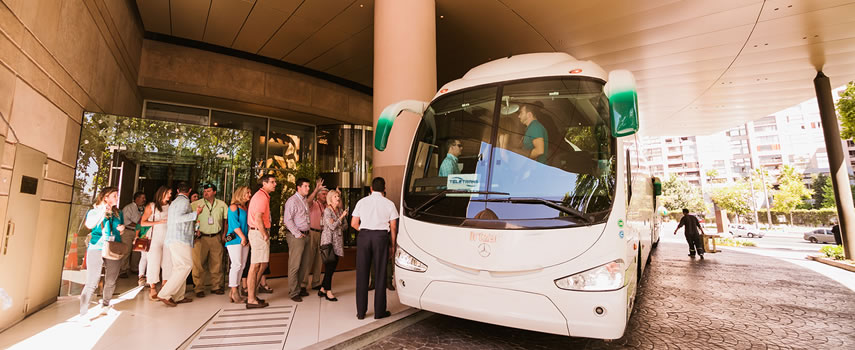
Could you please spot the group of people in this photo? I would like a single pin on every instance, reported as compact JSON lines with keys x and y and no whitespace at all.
{"x":190,"y":236}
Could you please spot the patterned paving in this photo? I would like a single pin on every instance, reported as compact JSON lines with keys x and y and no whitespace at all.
{"x":240,"y":328}
{"x":731,"y":300}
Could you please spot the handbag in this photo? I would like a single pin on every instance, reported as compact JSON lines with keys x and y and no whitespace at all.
{"x":113,"y":250}
{"x":327,"y":253}
{"x":141,"y":242}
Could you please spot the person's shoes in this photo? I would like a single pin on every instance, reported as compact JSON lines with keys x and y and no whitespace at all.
{"x":255,"y":306}
{"x":218,"y":292}
{"x":321,"y":294}
{"x":169,"y":302}
{"x":691,"y":255}
{"x":327,"y":296}
{"x":200,"y":294}
{"x":317,"y":287}
{"x":141,"y":281}
{"x":297,"y":298}
{"x":105,"y":309}
{"x":242,"y":292}
{"x":702,"y":256}
{"x":360,"y":317}
{"x":265,"y":289}
{"x":184,"y":301}
{"x":383,"y":314}
{"x":304,"y":293}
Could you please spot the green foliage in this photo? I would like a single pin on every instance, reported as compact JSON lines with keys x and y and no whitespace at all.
{"x":735,"y":197}
{"x":846,"y":111}
{"x":812,"y":217}
{"x":821,"y":183}
{"x":791,"y":190}
{"x":208,"y":149}
{"x":734,"y":242}
{"x":678,"y":194}
{"x":834,"y":252}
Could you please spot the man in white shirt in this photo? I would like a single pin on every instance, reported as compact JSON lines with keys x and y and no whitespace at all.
{"x":374,"y":217}
{"x":132,"y":214}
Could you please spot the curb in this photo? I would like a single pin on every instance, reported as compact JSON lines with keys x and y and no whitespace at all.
{"x":367,"y":334}
{"x":830,"y":262}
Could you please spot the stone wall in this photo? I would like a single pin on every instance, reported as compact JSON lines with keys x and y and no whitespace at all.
{"x":181,"y":69}
{"x":57,"y":60}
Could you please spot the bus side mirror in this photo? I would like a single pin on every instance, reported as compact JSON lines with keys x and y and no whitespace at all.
{"x":657,"y":187}
{"x":388,"y":116}
{"x":623,"y":102}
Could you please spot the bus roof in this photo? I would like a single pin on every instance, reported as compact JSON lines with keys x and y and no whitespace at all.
{"x":532,"y":65}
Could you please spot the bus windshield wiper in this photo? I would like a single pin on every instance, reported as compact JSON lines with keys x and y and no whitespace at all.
{"x":548,"y":203}
{"x":442,"y":195}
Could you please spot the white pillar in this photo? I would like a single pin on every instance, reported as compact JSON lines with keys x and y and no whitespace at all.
{"x":404,"y":69}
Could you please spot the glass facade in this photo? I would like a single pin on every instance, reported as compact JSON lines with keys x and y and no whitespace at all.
{"x":174,"y":143}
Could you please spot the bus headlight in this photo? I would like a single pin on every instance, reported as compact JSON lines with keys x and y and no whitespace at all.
{"x":407,"y":262}
{"x":606,"y":277}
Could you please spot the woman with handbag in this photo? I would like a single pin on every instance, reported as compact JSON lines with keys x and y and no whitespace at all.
{"x":237,"y":243}
{"x":158,"y":255}
{"x":105,"y":220}
{"x":332,"y":243}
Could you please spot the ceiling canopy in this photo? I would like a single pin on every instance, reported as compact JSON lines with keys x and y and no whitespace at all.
{"x":701,"y":66}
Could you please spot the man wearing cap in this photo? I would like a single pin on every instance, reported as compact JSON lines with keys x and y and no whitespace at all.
{"x":208,"y":249}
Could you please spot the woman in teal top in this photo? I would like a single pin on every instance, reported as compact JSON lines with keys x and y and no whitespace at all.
{"x":105,"y":220}
{"x":238,"y":247}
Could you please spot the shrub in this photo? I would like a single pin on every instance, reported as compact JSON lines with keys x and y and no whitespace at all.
{"x":732,"y":242}
{"x":834,"y":252}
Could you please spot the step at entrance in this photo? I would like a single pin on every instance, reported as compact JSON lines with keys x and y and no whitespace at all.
{"x":241,"y":328}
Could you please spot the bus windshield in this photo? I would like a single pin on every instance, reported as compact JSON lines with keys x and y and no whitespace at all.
{"x":526,"y":154}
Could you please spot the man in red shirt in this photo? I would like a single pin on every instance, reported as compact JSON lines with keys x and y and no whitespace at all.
{"x":258,"y":217}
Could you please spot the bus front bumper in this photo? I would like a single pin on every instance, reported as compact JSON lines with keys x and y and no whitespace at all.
{"x":541,"y":307}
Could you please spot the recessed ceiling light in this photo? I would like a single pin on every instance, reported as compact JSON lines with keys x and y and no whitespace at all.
{"x":441,"y":16}
{"x":361,"y":5}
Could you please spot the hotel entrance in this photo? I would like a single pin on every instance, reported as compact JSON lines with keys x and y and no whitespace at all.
{"x":171,"y":144}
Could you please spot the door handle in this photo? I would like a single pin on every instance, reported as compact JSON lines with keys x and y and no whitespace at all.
{"x":10,"y":230}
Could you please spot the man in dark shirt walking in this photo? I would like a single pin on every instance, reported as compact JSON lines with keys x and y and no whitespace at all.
{"x":691,"y":223}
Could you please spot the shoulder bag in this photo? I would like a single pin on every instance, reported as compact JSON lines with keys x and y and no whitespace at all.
{"x":327,"y":253}
{"x":112,"y":250}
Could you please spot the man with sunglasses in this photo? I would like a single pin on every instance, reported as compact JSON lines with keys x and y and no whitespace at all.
{"x":449,"y":164}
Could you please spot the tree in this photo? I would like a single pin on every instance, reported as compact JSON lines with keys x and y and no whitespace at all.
{"x":791,"y":191}
{"x":819,"y":191}
{"x":733,"y":197}
{"x":678,"y":194}
{"x":846,"y":111}
{"x":828,"y":200}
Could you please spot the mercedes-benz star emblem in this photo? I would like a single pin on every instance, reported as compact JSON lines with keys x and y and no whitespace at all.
{"x":484,"y":250}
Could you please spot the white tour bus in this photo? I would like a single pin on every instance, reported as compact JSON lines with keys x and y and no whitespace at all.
{"x":523,"y":201}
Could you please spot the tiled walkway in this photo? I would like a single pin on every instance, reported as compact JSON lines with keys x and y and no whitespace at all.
{"x":731,"y":300}
{"x":137,"y":323}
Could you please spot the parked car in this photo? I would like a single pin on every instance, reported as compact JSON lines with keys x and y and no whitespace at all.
{"x":739,"y":230}
{"x":822,"y":235}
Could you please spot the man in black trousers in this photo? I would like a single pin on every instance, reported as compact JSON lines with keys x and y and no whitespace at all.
{"x":692,"y":237}
{"x":374,"y":217}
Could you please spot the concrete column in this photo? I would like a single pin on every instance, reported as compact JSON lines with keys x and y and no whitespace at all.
{"x":839,"y":175}
{"x":404,"y":68}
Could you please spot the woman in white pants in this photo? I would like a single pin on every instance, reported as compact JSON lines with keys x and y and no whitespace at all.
{"x":238,"y":247}
{"x":158,"y":256}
